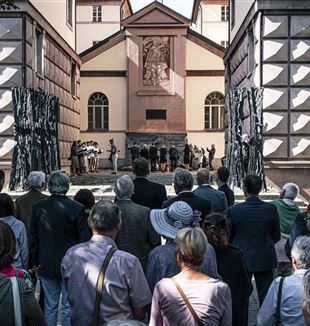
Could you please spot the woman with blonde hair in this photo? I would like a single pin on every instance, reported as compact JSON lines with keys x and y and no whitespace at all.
{"x":191,"y":297}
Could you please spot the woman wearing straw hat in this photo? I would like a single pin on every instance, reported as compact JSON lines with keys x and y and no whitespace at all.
{"x":168,"y":222}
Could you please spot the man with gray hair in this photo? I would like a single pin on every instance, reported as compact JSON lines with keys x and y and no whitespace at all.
{"x":217,"y":198}
{"x":291,"y":295}
{"x":137,"y":235}
{"x":24,"y":203}
{"x":183,"y":183}
{"x":288,"y":211}
{"x":124,"y":293}
{"x":57,"y":224}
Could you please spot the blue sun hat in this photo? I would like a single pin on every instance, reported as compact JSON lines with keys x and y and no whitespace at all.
{"x":169,"y":221}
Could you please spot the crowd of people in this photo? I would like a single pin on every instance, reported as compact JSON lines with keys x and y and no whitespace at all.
{"x":148,"y":259}
{"x":163,"y":159}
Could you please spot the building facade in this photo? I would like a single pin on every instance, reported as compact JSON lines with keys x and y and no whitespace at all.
{"x":155,"y":79}
{"x":38,"y":50}
{"x":213,"y":20}
{"x":97,"y":20}
{"x":270,"y":48}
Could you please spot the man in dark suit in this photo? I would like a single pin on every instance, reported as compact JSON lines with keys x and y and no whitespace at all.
{"x":147,"y":193}
{"x":134,"y":151}
{"x":205,"y":190}
{"x":137,"y":235}
{"x":57,"y":224}
{"x":24,"y":203}
{"x":222,"y":178}
{"x":153,"y":156}
{"x":255,"y":228}
{"x":183,"y":184}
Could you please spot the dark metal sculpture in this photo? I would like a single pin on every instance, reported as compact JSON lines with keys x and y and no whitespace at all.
{"x":36,"y":134}
{"x":234,"y":152}
{"x":234,"y":146}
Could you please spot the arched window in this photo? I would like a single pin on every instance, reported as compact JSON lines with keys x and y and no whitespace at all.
{"x":214,"y":111}
{"x":98,"y":112}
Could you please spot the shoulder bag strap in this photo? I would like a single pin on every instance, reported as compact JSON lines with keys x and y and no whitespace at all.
{"x":16,"y":300}
{"x":279,"y":299}
{"x":99,"y":286}
{"x":189,"y":306}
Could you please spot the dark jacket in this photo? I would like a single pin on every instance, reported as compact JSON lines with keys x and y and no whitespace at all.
{"x":299,"y":228}
{"x":153,"y":152}
{"x":216,"y":197}
{"x":232,"y":269}
{"x":137,"y":235}
{"x":211,"y":153}
{"x":195,"y":202}
{"x":135,"y":152}
{"x":255,"y":228}
{"x":30,"y":309}
{"x":144,"y":152}
{"x":24,"y":203}
{"x":148,"y":193}
{"x":230,"y":196}
{"x":57,"y":224}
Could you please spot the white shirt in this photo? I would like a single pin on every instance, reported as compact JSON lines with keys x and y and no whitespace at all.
{"x":292,"y":297}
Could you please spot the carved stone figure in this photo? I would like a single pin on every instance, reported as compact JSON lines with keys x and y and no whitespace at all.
{"x":156,"y":61}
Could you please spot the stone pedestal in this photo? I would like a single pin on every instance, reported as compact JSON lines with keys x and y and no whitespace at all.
{"x":169,"y":139}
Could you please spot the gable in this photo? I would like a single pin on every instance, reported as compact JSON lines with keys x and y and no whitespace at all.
{"x":156,"y":14}
{"x":113,"y":58}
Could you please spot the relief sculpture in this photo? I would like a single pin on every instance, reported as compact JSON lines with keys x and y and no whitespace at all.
{"x":156,"y":61}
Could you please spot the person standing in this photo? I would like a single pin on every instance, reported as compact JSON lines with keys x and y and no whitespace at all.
{"x":186,"y":158}
{"x":191,"y":297}
{"x":144,"y":152}
{"x":137,"y":235}
{"x":57,"y":224}
{"x":146,"y":193}
{"x":211,"y":156}
{"x":291,"y":291}
{"x":74,"y":159}
{"x":255,"y":228}
{"x":153,"y":157}
{"x":205,"y":191}
{"x":114,"y":155}
{"x":135,"y":152}
{"x":183,"y":182}
{"x":222,"y":179}
{"x":24,"y":203}
{"x":163,"y":158}
{"x":125,"y":293}
{"x":173,"y":157}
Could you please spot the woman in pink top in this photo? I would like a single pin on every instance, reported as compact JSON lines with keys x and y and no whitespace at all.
{"x":209,"y":300}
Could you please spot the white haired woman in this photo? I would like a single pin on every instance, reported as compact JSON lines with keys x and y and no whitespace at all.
{"x":191,"y":297}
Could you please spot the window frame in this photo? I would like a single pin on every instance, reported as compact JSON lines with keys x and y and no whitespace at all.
{"x":97,"y":13}
{"x":224,"y":13}
{"x":93,"y":109}
{"x":209,"y":108}
{"x":39,"y":52}
{"x":69,"y":13}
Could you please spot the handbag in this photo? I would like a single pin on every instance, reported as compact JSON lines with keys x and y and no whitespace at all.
{"x":16,"y":300}
{"x":189,"y":306}
{"x":99,"y":286}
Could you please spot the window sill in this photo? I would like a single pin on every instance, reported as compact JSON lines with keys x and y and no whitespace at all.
{"x":214,"y":130}
{"x":96,"y":130}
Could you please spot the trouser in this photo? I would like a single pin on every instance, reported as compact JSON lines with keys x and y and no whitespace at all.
{"x":210,"y":164}
{"x":114,"y":162}
{"x":86,"y":164}
{"x":173,"y":163}
{"x":153,"y":164}
{"x":262,"y":281}
{"x":52,"y":290}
